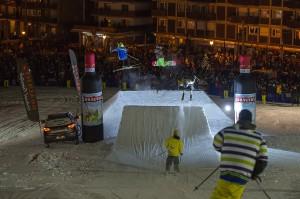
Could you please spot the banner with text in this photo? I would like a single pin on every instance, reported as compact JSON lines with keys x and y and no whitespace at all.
{"x":28,"y":91}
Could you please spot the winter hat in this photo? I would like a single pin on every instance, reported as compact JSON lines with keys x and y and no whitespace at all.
{"x":245,"y":115}
{"x":176,"y":132}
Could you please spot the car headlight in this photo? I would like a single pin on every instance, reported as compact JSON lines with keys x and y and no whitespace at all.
{"x":46,"y":130}
{"x":71,"y":126}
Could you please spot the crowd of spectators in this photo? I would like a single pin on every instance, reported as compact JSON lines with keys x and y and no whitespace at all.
{"x":277,"y":74}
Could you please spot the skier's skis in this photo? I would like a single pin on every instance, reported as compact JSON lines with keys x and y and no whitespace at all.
{"x":171,"y":173}
{"x":127,"y":68}
{"x":132,"y":57}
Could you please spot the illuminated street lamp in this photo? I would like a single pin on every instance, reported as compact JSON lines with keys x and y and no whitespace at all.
{"x":211,"y":43}
{"x":23,"y":33}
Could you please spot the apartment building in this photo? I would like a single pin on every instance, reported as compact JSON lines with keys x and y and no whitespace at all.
{"x":31,"y":18}
{"x":125,"y":20}
{"x":271,"y":24}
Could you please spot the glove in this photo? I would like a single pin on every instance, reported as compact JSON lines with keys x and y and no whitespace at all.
{"x":181,"y":154}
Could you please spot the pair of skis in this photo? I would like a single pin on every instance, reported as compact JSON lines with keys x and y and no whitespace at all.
{"x":129,"y":67}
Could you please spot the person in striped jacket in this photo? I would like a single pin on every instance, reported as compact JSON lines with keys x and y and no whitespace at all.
{"x":243,"y":157}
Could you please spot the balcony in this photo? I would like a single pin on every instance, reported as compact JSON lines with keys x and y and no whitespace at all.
{"x":264,"y":2}
{"x":263,"y":20}
{"x":171,"y":13}
{"x":276,"y":21}
{"x":181,"y":31}
{"x":297,"y":42}
{"x":203,"y":1}
{"x":200,"y":33}
{"x":162,"y":29}
{"x":117,"y":27}
{"x":120,"y":13}
{"x":252,"y":38}
{"x":291,"y":4}
{"x":210,"y":34}
{"x":276,"y":3}
{"x":40,"y":19}
{"x":263,"y":39}
{"x":244,"y":19}
{"x":191,"y":33}
{"x":121,"y":1}
{"x":159,"y":12}
{"x":244,"y":2}
{"x":292,"y":23}
{"x":180,"y":14}
{"x":8,"y":16}
{"x":38,"y":5}
{"x":275,"y":40}
{"x":201,"y":16}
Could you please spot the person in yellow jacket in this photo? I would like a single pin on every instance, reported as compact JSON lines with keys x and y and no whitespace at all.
{"x":175,"y":148}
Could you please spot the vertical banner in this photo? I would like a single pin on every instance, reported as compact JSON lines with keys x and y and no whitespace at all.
{"x":28,"y":91}
{"x":75,"y":70}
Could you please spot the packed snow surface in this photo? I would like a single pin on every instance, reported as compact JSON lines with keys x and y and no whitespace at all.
{"x":86,"y":171}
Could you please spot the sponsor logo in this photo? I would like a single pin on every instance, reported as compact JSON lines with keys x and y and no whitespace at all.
{"x":245,"y":99}
{"x":92,"y":98}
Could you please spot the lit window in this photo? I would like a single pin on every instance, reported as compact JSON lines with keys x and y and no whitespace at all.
{"x":253,"y":30}
{"x":276,"y":33}
{"x":297,"y":35}
{"x":181,"y":24}
{"x":264,"y":31}
{"x":276,"y":14}
{"x":264,"y":13}
{"x":240,"y":28}
{"x":253,"y":12}
{"x":162,"y":22}
{"x":191,"y":25}
{"x":211,"y":26}
{"x":201,"y":25}
{"x":243,"y":11}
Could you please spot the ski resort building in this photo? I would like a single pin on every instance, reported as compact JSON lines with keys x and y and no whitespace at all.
{"x":272,"y":24}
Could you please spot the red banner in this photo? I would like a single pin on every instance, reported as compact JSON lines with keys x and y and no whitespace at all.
{"x":75,"y":70}
{"x":28,"y":92}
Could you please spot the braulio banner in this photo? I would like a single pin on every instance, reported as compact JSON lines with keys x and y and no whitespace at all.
{"x":75,"y":70}
{"x":28,"y":91}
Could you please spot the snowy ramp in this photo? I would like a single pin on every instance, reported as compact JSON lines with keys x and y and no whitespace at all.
{"x":147,"y":120}
{"x":113,"y":108}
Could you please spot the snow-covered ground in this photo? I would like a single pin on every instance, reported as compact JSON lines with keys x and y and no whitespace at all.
{"x":29,"y":170}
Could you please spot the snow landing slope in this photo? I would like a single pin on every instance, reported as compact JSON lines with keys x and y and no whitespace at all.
{"x":144,"y":119}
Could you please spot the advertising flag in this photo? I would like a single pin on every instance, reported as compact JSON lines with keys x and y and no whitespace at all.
{"x":28,"y":91}
{"x":75,"y":70}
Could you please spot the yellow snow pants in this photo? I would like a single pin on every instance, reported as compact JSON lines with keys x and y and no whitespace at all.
{"x":227,"y":190}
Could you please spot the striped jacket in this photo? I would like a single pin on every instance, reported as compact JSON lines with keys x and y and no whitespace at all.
{"x":240,"y":147}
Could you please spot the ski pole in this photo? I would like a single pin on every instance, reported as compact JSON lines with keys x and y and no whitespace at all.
{"x":197,"y":187}
{"x":161,"y":153}
{"x":262,"y":189}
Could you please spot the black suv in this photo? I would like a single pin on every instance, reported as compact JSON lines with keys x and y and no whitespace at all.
{"x":61,"y":127}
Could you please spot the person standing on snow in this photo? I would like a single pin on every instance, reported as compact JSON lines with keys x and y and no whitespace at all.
{"x":175,"y":148}
{"x":243,"y":157}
